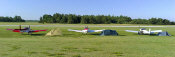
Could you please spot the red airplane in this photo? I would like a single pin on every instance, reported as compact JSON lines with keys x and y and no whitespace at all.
{"x":26,"y":29}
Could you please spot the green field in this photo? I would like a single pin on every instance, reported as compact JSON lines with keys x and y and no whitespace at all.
{"x":72,"y":44}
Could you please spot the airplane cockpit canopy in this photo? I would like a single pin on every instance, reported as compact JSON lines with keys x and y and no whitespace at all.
{"x":26,"y":28}
{"x":143,"y":29}
{"x":86,"y":28}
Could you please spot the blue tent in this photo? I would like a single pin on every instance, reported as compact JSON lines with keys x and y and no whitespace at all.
{"x":109,"y":33}
{"x":163,"y":34}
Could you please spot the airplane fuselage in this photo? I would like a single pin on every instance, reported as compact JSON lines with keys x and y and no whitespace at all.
{"x":85,"y":31}
{"x":22,"y":30}
{"x":145,"y":32}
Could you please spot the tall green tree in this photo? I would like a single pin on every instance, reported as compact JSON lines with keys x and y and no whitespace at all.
{"x":123,"y":19}
{"x":18,"y":19}
{"x":70,"y":19}
{"x":93,"y":19}
{"x":84,"y":20}
{"x":63,"y":20}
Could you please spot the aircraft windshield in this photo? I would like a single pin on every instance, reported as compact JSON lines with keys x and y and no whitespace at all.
{"x":26,"y":28}
{"x":143,"y":29}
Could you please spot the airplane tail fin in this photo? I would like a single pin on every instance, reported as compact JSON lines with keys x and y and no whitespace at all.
{"x":20,"y":27}
{"x":69,"y":29}
{"x":29,"y":26}
{"x":149,"y":30}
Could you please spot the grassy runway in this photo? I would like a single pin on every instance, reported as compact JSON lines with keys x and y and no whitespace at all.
{"x":73,"y":44}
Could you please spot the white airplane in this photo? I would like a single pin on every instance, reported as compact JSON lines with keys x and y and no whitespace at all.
{"x":85,"y":31}
{"x":144,"y":31}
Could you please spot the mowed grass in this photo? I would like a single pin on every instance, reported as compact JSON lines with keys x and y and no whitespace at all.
{"x":72,"y":44}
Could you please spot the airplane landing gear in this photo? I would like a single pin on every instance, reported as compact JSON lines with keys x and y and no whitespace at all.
{"x":29,"y":33}
{"x":140,"y":33}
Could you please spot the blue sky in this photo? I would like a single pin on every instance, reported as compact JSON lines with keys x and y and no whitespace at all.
{"x":33,"y":9}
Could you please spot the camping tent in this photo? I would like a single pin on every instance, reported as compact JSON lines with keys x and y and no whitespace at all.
{"x":109,"y":32}
{"x":163,"y":34}
{"x":54,"y":32}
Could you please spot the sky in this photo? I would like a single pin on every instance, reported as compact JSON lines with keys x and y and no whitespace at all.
{"x":34,"y":9}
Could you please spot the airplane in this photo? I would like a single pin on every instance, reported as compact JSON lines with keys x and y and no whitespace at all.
{"x":86,"y":30}
{"x":143,"y":31}
{"x":26,"y":29}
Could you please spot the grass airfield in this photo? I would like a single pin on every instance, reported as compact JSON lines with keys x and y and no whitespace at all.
{"x":72,"y":44}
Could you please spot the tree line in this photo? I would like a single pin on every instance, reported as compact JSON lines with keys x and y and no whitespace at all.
{"x":11,"y":19}
{"x":100,"y":19}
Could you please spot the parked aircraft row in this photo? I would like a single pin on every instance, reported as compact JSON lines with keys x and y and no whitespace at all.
{"x":142,"y":31}
{"x":86,"y":30}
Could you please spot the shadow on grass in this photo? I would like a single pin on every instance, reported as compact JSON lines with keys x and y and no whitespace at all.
{"x":30,"y":53}
{"x":121,"y":35}
{"x":91,"y":49}
{"x":35,"y":34}
{"x":54,"y":54}
{"x":153,"y":35}
{"x":13,"y":48}
{"x":76,"y":55}
{"x":147,"y":34}
{"x":94,"y":34}
{"x":4,"y":54}
{"x":107,"y":35}
{"x":67,"y":34}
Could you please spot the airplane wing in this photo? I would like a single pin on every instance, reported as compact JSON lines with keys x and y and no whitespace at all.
{"x":14,"y":30}
{"x":98,"y":30}
{"x":10,"y":29}
{"x":37,"y":30}
{"x":75,"y":30}
{"x":131,"y":31}
{"x":156,"y":31}
{"x":95,"y":30}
